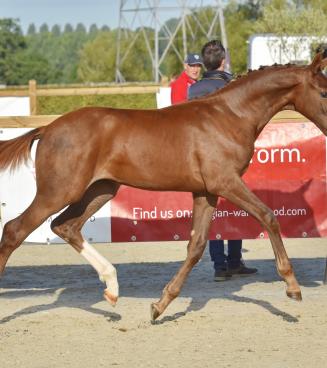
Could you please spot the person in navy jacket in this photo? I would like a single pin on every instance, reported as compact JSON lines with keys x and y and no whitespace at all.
{"x":215,"y":77}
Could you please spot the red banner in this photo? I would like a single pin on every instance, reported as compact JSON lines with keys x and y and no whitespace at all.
{"x":287,"y":172}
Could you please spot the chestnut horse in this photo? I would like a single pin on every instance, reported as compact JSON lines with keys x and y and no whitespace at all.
{"x":203,"y":146}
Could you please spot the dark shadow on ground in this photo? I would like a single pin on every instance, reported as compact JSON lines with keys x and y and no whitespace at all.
{"x":139,"y":280}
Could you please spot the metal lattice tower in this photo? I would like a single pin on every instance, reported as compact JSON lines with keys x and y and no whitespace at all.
{"x":140,"y":15}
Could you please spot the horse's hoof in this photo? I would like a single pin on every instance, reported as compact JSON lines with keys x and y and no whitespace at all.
{"x":154,"y":312}
{"x":295,"y":295}
{"x":112,"y":299}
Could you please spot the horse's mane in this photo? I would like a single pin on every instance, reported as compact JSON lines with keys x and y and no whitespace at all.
{"x":239,"y":79}
{"x":266,"y":67}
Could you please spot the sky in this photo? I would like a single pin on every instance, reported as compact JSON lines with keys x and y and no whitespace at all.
{"x":99,"y":12}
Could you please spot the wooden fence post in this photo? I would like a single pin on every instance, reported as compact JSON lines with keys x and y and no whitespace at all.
{"x":32,"y":96}
{"x":164,"y":81}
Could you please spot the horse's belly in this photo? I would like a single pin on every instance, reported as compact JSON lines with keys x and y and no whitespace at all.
{"x":165,"y":184}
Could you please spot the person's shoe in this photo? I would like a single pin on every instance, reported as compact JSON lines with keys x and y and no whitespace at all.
{"x":242,"y":270}
{"x":222,"y":275}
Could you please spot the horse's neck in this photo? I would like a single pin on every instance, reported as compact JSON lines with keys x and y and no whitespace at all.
{"x":260,"y":96}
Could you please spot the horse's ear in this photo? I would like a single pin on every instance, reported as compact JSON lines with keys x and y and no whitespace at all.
{"x":319,"y":62}
{"x":324,"y":61}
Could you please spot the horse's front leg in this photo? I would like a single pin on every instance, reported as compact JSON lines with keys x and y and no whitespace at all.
{"x":238,"y":193}
{"x":203,"y":208}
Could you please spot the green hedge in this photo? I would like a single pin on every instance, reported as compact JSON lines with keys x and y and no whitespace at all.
{"x":58,"y":105}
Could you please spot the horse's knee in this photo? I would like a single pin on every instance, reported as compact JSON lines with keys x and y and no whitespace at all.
{"x":11,"y":238}
{"x":10,"y":233}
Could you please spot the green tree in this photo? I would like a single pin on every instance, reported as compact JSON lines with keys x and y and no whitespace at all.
{"x":25,"y":65}
{"x":11,"y":42}
{"x":98,"y":58}
{"x":240,"y":19}
{"x":105,"y":28}
{"x":31,"y":29}
{"x":137,"y":65}
{"x":316,"y":4}
{"x":93,"y":29}
{"x":283,"y":17}
{"x":61,"y":51}
{"x":68,"y":28}
{"x":80,"y":28}
{"x":55,"y":30}
{"x":294,"y":18}
{"x":44,"y":28}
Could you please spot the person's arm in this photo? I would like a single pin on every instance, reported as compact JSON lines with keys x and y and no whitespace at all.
{"x":191,"y":92}
{"x":178,"y":92}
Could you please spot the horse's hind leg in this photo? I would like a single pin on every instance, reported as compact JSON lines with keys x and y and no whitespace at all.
{"x":17,"y":230}
{"x":240,"y":195}
{"x":203,"y":208}
{"x":68,"y":226}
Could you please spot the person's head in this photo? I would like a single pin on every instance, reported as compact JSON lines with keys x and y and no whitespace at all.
{"x":192,"y":65}
{"x":213,"y":55}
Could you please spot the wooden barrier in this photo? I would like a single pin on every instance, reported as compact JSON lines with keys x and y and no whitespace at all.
{"x":40,"y":120}
{"x":33,"y":92}
{"x":26,"y":121}
{"x":71,"y":91}
{"x":32,"y":95}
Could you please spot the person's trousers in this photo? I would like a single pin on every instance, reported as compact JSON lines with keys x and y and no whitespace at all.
{"x":221,"y":260}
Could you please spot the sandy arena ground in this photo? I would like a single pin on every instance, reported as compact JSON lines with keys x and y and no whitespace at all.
{"x":52,"y":313}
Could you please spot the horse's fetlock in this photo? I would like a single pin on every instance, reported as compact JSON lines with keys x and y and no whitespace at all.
{"x":285,"y":270}
{"x":108,"y":274}
{"x":172,"y":292}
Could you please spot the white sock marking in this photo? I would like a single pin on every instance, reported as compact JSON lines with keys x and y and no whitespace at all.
{"x":107,"y":272}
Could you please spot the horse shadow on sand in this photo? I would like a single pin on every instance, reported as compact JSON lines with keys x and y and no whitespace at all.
{"x":63,"y":285}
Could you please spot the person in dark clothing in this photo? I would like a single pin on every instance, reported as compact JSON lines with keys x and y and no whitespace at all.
{"x":211,"y":80}
{"x":214,"y":56}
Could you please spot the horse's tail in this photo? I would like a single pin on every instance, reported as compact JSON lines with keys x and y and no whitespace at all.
{"x":14,"y":152}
